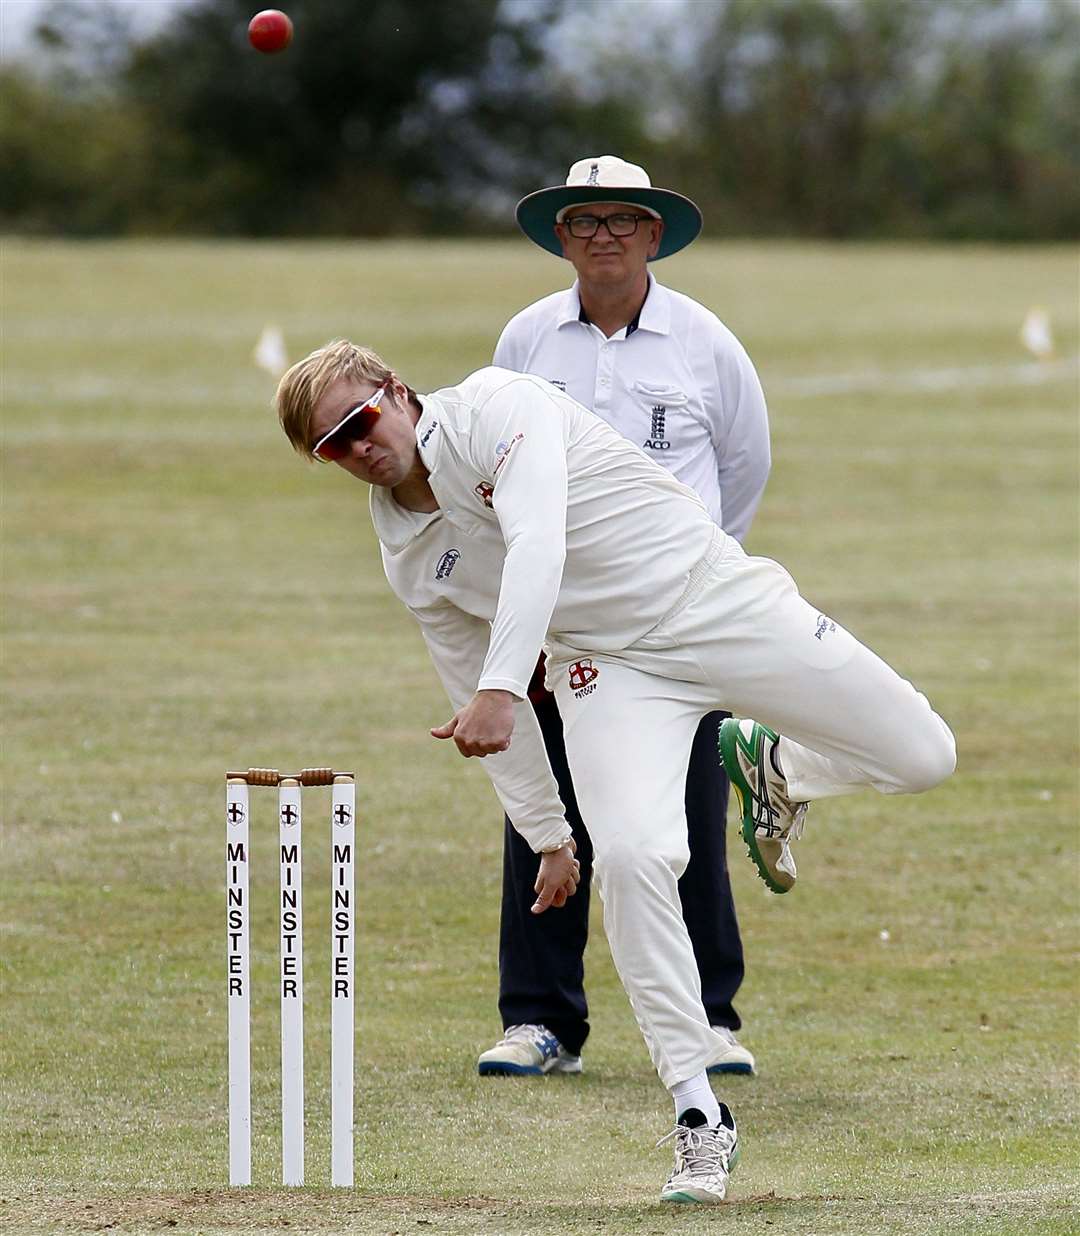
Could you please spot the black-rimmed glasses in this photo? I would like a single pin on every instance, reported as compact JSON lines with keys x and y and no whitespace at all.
{"x":584,"y":227}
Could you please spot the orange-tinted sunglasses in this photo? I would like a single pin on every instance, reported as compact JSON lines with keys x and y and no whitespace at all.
{"x":354,"y":426}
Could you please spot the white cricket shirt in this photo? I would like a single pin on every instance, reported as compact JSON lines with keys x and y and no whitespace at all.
{"x":551,"y":528}
{"x":677,"y":383}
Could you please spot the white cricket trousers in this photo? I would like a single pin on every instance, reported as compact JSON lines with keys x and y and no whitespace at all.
{"x":742,"y":639}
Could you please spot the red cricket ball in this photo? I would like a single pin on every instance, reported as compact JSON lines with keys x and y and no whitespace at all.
{"x":270,"y":31}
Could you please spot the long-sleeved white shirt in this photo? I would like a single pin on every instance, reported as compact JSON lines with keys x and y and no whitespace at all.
{"x":678,"y":384}
{"x":551,"y":528}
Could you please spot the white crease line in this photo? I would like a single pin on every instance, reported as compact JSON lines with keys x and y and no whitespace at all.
{"x":1034,"y":373}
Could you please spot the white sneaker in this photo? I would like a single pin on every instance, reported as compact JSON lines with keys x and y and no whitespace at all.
{"x":704,"y":1158}
{"x":771,"y":819}
{"x":529,"y":1050}
{"x":736,"y":1058}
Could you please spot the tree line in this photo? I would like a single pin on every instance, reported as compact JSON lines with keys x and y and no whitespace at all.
{"x":831,"y":118}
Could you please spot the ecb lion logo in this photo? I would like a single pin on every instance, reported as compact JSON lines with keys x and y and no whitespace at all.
{"x":583,"y":676}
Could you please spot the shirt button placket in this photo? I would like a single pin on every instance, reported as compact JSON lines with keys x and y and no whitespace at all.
{"x":605,"y":367}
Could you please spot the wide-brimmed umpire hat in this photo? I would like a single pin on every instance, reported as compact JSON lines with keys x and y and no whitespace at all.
{"x":607,"y":178}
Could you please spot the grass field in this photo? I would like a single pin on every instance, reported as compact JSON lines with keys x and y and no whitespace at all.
{"x":183,"y":595}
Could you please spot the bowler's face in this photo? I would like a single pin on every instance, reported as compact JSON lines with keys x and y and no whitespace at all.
{"x":603,"y":258}
{"x":387,"y":452}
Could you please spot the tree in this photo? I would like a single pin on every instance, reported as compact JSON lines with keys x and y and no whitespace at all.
{"x":381,"y":119}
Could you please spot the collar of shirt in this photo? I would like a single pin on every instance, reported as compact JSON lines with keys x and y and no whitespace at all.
{"x":428,"y":436}
{"x":654,"y":315}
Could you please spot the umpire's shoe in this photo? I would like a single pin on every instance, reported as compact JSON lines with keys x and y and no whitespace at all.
{"x":529,"y":1050}
{"x":770,"y":820}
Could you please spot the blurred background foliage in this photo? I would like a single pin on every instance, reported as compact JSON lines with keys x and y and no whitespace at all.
{"x":829,"y":118}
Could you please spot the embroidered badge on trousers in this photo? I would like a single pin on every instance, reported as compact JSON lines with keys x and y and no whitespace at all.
{"x":583,"y":676}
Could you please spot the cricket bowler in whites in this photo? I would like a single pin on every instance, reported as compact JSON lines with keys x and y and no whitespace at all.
{"x":511,"y":518}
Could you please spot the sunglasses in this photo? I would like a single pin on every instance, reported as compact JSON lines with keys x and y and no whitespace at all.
{"x":354,"y":426}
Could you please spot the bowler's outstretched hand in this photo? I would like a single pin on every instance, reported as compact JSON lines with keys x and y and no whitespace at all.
{"x":557,"y":878}
{"x":483,"y":726}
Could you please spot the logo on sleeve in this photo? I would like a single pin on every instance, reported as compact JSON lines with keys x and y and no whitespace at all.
{"x":428,"y":432}
{"x":503,"y":449}
{"x":484,"y":492}
{"x":583,"y":676}
{"x":447,"y":563}
{"x":825,"y":626}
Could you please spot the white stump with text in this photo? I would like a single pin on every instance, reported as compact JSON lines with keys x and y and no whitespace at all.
{"x":342,"y":978}
{"x":292,"y":982}
{"x":238,"y":963}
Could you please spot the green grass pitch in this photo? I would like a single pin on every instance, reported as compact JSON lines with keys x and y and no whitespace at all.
{"x":184,"y":595}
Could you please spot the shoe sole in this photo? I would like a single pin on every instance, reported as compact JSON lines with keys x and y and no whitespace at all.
{"x":746,"y":1070}
{"x":728,"y":743}
{"x":496,"y":1069}
{"x":509,"y":1070}
{"x":681,"y":1196}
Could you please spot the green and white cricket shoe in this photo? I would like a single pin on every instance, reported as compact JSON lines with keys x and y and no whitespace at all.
{"x":771,"y":821}
{"x":530,"y":1050}
{"x":704,"y":1158}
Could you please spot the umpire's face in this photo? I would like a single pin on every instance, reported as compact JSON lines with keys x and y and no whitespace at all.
{"x":379,"y":449}
{"x":609,"y":255}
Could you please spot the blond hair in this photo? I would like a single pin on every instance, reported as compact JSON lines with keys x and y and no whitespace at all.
{"x":308,"y":380}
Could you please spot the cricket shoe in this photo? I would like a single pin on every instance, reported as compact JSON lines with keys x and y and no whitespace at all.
{"x":771,"y":821}
{"x":736,"y":1058}
{"x":704,"y":1158}
{"x":530,"y":1050}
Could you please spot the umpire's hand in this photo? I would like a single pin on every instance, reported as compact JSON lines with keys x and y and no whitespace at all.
{"x":558,"y":877}
{"x":483,"y":726}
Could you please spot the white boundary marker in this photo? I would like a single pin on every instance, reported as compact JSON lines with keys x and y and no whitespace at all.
{"x":342,"y":978}
{"x":292,"y":982}
{"x":238,"y":953}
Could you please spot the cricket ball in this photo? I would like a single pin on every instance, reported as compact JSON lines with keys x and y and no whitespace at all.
{"x":270,"y":31}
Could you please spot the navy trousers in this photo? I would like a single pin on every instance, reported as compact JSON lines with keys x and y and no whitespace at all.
{"x":541,"y":972}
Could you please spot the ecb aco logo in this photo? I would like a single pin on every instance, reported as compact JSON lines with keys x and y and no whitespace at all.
{"x":656,"y":440}
{"x":447,"y":563}
{"x":583,"y":676}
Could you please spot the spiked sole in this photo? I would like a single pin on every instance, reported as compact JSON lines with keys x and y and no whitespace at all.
{"x":727,"y":742}
{"x":687,"y":1195}
{"x":702,"y":1197}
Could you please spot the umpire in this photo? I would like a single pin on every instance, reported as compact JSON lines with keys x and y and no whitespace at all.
{"x":669,"y":376}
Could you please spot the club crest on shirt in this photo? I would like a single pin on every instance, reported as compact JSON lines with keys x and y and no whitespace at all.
{"x":447,"y":563}
{"x":484,"y":492}
{"x":583,"y":676}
